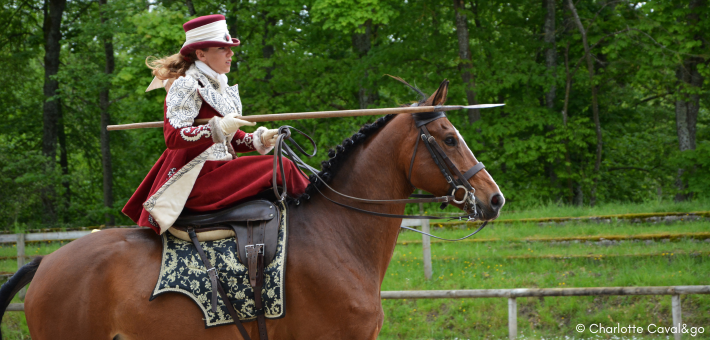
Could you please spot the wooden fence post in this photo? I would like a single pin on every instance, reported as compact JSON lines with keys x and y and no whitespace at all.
{"x":677,"y":320}
{"x":21,"y":261}
{"x":512,"y":318}
{"x":426,"y":249}
{"x":426,"y":244}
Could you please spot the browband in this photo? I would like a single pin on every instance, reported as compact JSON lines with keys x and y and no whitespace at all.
{"x":424,"y":118}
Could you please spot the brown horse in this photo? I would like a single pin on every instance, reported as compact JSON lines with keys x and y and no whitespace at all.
{"x":98,"y":286}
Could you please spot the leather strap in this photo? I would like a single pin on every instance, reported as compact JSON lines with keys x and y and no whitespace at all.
{"x":424,"y":118}
{"x":411,"y":217}
{"x":217,"y":287}
{"x":279,"y":165}
{"x":421,"y":199}
{"x":440,"y":153}
{"x":211,"y":271}
{"x":255,"y":266}
{"x":473,"y":171}
{"x":411,"y":163}
{"x":435,"y":157}
{"x":232,"y":312}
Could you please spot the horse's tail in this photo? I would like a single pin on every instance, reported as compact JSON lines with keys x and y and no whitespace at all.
{"x":17,"y":282}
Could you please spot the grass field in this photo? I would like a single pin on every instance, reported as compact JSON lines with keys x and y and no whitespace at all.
{"x":486,"y":265}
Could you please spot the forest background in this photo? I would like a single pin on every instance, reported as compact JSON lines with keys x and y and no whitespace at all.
{"x":606,"y":101}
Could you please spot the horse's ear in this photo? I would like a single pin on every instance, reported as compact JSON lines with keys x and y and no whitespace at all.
{"x":439,"y":97}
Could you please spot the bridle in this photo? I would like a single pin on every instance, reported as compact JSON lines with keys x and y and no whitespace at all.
{"x":448,"y":169}
{"x":453,"y":176}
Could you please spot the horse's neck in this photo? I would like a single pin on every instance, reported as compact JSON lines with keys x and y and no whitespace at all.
{"x":369,"y":172}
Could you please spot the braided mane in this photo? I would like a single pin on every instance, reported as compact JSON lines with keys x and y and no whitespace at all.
{"x":340,"y":154}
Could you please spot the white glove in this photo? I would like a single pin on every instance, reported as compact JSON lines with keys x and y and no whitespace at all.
{"x":230,"y":123}
{"x":269,"y":137}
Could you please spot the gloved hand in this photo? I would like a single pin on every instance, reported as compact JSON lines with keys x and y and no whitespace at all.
{"x":230,"y":123}
{"x":269,"y":137}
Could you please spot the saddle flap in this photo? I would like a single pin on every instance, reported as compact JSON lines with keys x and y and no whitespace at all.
{"x":271,"y":236}
{"x":257,"y":210}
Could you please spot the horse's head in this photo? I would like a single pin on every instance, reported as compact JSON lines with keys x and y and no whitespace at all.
{"x":427,"y":175}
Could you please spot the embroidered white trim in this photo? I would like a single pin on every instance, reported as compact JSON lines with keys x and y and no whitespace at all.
{"x":192,"y":134}
{"x":248,"y":140}
{"x":218,"y":102}
{"x":220,"y":153}
{"x":166,"y":204}
{"x":221,"y":79}
{"x":183,"y":102}
{"x":233,"y":93}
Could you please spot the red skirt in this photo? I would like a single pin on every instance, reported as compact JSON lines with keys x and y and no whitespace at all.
{"x":221,"y":184}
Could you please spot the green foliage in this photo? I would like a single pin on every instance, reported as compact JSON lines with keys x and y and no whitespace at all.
{"x":349,"y":16}
{"x":300,"y":56}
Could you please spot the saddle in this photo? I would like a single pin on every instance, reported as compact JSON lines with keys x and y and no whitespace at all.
{"x":260,"y":216}
{"x":255,"y":226}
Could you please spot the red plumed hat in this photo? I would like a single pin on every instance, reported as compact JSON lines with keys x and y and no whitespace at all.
{"x":206,"y":31}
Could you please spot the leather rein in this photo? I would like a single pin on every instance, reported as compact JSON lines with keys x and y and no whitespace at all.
{"x":456,"y":179}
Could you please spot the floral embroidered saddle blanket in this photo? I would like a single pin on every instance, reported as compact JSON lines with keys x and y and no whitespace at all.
{"x":182,"y":271}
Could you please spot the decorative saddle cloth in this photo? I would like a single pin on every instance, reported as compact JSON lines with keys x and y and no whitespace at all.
{"x":182,"y":271}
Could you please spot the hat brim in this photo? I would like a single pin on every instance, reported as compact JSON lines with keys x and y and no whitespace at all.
{"x":186,"y":50}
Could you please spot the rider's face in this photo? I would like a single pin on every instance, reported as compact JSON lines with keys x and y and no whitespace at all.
{"x":217,"y":58}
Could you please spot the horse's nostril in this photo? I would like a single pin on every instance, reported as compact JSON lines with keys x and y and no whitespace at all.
{"x":497,"y":201}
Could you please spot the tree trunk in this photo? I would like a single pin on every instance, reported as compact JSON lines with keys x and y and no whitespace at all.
{"x":64,"y":162}
{"x":362,"y":43}
{"x":53,"y":10}
{"x":687,"y":105}
{"x":595,"y":102}
{"x":190,"y":8}
{"x":466,"y":63}
{"x":550,"y":52}
{"x":565,"y":117}
{"x":267,"y":49}
{"x":551,"y":65}
{"x":104,"y":104}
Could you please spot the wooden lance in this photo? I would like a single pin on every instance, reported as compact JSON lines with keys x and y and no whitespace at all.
{"x":317,"y":114}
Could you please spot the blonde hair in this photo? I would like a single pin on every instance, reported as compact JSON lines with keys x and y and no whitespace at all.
{"x":171,"y":66}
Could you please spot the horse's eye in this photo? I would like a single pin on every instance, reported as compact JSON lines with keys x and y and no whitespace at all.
{"x":450,"y":141}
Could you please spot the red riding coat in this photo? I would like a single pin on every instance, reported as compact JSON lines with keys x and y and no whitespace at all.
{"x":199,"y":169}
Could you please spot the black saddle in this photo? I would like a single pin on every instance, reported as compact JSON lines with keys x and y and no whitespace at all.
{"x":260,"y":217}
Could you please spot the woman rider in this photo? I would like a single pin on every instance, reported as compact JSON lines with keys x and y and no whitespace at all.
{"x":200,"y":171}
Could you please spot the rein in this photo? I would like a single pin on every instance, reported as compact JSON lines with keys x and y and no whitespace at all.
{"x":451,"y":173}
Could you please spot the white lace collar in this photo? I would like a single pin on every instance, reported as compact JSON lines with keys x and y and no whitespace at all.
{"x":221,"y":79}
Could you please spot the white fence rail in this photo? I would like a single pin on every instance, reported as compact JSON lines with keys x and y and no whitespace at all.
{"x":56,"y":236}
